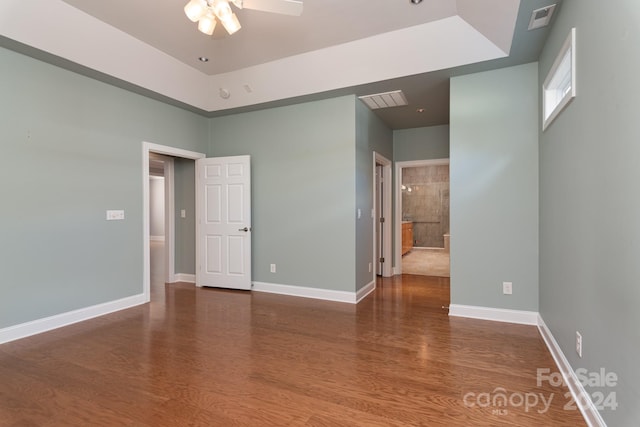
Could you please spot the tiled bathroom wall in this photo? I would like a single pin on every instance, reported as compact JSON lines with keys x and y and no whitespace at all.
{"x":425,"y":201}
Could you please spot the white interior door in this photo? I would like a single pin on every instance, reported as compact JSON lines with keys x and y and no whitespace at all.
{"x":223,"y":222}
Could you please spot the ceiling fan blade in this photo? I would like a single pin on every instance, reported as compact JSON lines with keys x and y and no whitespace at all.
{"x":285,"y":7}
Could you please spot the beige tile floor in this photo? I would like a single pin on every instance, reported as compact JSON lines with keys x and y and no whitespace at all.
{"x":426,"y":262}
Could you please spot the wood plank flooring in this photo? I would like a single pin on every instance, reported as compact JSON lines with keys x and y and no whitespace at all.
{"x":206,"y":357}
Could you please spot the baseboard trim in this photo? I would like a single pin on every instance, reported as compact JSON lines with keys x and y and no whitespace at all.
{"x":184,"y":277}
{"x":302,"y":291}
{"x":156,"y":238}
{"x":579,"y":394}
{"x":495,"y":314}
{"x":45,"y":324}
{"x":365,"y":290}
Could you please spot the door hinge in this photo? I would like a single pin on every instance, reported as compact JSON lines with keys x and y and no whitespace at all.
{"x":382,"y":219}
{"x":381,"y":259}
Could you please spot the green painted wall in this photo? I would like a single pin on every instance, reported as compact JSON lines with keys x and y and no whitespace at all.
{"x":303,"y":189}
{"x":185,"y":228}
{"x":494,"y":188}
{"x":371,"y":135}
{"x":72,"y":149}
{"x":421,"y":143}
{"x":589,"y":204}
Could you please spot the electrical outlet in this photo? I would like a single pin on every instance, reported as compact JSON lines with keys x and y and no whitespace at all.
{"x":370,"y":267}
{"x":578,"y":343}
{"x":507,"y":288}
{"x":273,"y":268}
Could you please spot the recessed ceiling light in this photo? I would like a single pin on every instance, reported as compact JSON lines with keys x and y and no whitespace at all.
{"x":203,"y":59}
{"x":415,"y":1}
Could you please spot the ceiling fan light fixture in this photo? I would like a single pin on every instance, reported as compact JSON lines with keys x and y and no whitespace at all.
{"x":207,"y":24}
{"x":195,"y":9}
{"x":222,"y":10}
{"x":206,"y":12}
{"x":231,"y":23}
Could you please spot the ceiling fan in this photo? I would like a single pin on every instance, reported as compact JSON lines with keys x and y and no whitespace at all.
{"x":205,"y":12}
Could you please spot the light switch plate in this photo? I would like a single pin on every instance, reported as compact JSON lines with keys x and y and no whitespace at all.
{"x":115,"y":215}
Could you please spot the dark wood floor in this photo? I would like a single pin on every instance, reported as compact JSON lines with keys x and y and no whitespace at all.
{"x":205,"y":357}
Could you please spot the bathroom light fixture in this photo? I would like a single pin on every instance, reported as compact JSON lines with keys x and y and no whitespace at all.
{"x":208,"y":12}
{"x":416,"y":1}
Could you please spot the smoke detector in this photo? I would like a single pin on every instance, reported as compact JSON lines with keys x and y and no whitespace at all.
{"x":541,"y":17}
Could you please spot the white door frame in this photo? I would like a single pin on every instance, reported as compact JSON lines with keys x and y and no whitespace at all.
{"x":387,"y":270}
{"x":398,"y":202}
{"x":148,"y":147}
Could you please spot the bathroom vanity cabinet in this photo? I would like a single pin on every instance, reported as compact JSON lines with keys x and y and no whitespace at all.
{"x":407,"y":236}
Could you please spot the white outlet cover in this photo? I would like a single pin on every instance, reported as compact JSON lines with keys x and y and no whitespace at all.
{"x":507,"y":288}
{"x":578,"y":343}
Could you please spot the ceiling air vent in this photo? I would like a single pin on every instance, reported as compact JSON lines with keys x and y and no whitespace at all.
{"x":541,"y":17}
{"x":395,"y":98}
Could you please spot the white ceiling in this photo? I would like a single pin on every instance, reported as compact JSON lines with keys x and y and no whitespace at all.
{"x":264,"y":36}
{"x":334,"y":47}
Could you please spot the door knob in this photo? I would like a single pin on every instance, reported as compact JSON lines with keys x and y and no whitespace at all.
{"x":243,"y":229}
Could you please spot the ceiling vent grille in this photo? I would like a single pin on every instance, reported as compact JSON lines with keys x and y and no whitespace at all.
{"x":394,"y":98}
{"x":541,"y":17}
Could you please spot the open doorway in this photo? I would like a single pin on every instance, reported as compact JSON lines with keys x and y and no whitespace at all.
{"x":167,"y":253}
{"x":422,"y":209}
{"x":161,"y":226}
